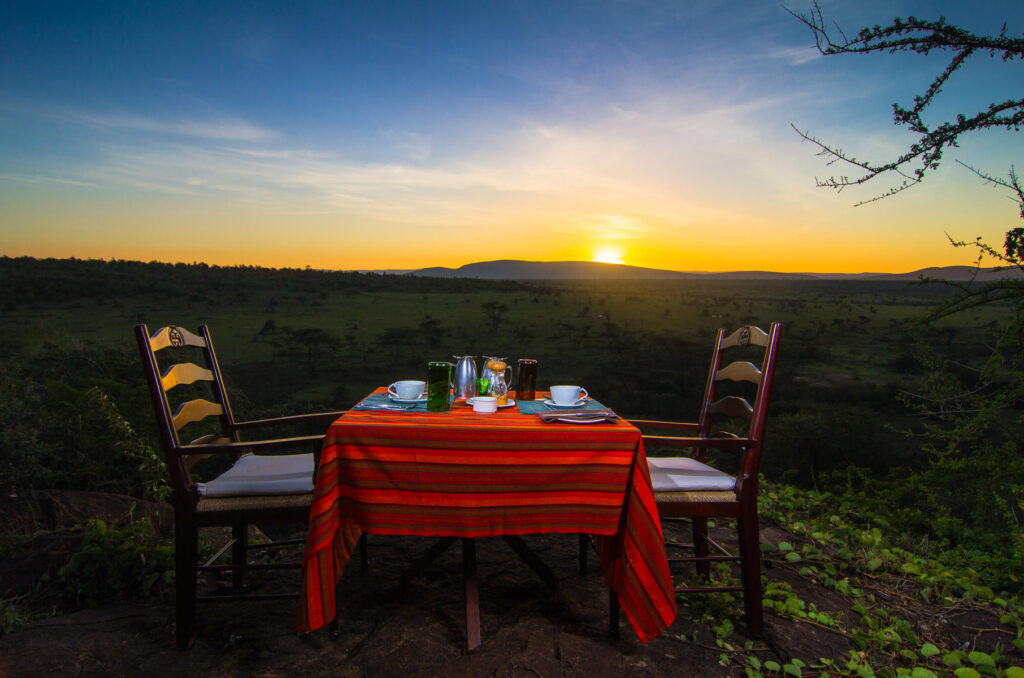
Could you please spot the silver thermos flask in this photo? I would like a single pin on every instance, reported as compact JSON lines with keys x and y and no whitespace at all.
{"x":464,"y":379}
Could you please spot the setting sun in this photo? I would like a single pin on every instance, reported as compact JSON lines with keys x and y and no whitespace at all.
{"x":608,"y":255}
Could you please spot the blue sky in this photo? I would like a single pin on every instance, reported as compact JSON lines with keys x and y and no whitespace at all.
{"x":408,"y":134}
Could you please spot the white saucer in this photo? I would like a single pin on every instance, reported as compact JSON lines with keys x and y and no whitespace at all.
{"x":578,"y":403}
{"x":510,"y":402}
{"x":402,"y":401}
{"x":581,"y":420}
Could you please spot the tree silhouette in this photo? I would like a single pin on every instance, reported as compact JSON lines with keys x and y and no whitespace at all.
{"x":430,"y":330}
{"x":313,"y":340}
{"x":495,"y":312}
{"x":921,"y":37}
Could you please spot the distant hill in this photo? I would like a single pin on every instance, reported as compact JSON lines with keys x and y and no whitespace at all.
{"x":515,"y":269}
{"x":950,"y":273}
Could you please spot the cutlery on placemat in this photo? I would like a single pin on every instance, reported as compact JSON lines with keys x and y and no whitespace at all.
{"x":400,"y":408}
{"x":582,"y":415}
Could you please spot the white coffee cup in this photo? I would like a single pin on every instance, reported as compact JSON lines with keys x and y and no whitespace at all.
{"x":485,"y":405}
{"x":568,"y":395}
{"x":407,"y":390}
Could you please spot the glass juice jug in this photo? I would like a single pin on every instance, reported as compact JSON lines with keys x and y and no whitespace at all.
{"x":499,"y":386}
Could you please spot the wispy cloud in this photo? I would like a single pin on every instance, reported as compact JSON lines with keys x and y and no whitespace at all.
{"x":796,"y":56}
{"x":34,"y":179}
{"x":222,"y":128}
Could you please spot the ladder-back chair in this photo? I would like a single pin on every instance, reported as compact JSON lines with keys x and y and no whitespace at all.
{"x":268,"y":481}
{"x":691,"y":488}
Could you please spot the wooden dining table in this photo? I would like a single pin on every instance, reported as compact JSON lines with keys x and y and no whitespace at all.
{"x":460,"y":474}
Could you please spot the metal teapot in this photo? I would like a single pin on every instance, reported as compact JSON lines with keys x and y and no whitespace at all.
{"x":464,"y":377}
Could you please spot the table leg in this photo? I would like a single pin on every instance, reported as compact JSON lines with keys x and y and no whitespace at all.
{"x":472,"y":594}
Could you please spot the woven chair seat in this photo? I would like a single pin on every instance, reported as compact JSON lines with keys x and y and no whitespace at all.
{"x":280,"y":501}
{"x":694,"y":497}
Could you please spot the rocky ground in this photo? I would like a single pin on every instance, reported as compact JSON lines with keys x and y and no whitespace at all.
{"x":528,"y":629}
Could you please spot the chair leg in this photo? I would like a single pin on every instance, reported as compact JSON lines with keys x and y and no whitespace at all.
{"x":239,"y":556}
{"x":186,"y":547}
{"x":700,"y":547}
{"x":750,"y":568}
{"x":584,"y":539}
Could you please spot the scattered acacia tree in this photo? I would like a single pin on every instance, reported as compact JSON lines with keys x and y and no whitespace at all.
{"x":971,"y":424}
{"x":495,"y":312}
{"x":313,"y":340}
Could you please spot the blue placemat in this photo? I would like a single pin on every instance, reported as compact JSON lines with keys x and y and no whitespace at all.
{"x":538,"y":406}
{"x":380,"y":400}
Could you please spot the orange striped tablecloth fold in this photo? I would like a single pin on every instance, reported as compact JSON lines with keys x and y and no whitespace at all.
{"x":465,"y":475}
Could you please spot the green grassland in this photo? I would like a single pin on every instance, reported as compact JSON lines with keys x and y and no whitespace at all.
{"x":312,"y":339}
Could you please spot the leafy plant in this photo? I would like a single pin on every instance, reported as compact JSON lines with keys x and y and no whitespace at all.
{"x":117,"y":564}
{"x":61,"y":435}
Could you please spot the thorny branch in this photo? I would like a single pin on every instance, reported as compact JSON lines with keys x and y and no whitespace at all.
{"x":921,"y":37}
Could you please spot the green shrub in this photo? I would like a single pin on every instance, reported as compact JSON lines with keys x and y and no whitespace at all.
{"x":116,"y":565}
{"x":60,"y":435}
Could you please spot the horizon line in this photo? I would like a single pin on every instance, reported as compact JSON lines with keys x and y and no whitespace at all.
{"x":977,"y":267}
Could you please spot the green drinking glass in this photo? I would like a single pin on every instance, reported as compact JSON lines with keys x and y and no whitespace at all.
{"x":439,"y":386}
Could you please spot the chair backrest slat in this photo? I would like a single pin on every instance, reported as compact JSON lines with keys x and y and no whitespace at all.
{"x":174,"y":336}
{"x":184,"y":373}
{"x":740,"y":371}
{"x":749,"y":335}
{"x":732,"y":406}
{"x":195,"y":410}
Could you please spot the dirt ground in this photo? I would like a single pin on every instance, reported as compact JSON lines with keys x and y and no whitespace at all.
{"x":528,"y":629}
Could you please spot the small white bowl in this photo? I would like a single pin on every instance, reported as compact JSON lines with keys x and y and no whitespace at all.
{"x":485,"y":405}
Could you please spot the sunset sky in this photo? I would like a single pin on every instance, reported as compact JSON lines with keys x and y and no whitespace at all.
{"x":397,"y":135}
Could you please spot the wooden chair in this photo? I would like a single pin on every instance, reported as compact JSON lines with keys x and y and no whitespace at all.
{"x":261,"y":486}
{"x":689,"y":487}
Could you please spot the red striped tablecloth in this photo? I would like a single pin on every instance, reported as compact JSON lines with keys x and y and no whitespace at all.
{"x":467,"y":475}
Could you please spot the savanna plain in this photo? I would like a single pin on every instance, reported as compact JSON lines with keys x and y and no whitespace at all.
{"x":890,"y":510}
